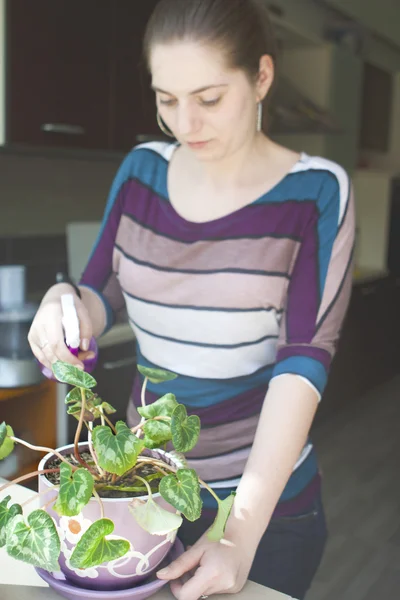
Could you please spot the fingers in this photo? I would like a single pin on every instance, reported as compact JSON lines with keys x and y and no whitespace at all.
{"x":194,"y":587}
{"x":49,"y":347}
{"x":187,"y":561}
{"x":85,"y":325}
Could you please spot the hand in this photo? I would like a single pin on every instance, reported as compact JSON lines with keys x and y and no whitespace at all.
{"x":46,"y":335}
{"x":221,"y":568}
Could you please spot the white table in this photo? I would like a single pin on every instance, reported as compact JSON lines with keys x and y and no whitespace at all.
{"x":19,"y":581}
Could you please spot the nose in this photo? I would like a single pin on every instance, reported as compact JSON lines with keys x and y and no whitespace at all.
{"x":189,"y":121}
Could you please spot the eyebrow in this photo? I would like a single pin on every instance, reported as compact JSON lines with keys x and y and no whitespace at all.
{"x":198,"y":91}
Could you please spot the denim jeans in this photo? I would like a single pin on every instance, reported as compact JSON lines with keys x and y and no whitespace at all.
{"x":289,"y":553}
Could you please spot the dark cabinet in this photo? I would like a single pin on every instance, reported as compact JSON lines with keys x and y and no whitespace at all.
{"x":75,"y":74}
{"x":134,"y":107}
{"x":369,"y":349}
{"x":58,"y":85}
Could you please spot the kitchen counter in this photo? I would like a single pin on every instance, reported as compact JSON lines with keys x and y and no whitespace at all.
{"x":19,"y":581}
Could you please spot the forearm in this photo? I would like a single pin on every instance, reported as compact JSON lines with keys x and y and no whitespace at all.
{"x":284,"y":424}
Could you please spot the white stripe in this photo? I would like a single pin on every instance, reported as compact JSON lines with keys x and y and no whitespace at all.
{"x":317,"y":162}
{"x":198,"y":361}
{"x":201,"y":326}
{"x":164,"y":149}
{"x":227,"y":483}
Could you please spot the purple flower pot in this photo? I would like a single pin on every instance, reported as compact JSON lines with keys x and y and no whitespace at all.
{"x":146,"y":553}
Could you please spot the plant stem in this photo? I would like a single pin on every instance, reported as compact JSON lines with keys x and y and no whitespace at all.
{"x":35,"y":497}
{"x":142,"y":394}
{"x":143,"y":401}
{"x":41,"y":449}
{"x":146,"y":484}
{"x":28,"y":476}
{"x":207,"y":487}
{"x":135,"y":429}
{"x":109,"y":423}
{"x":79,"y":429}
{"x":160,"y":470}
{"x":78,"y":433}
{"x":103,"y":421}
{"x":157,"y":463}
{"x":92,"y":452}
{"x":96,"y":495}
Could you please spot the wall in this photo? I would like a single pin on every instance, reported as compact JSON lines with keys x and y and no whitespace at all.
{"x":380,"y":16}
{"x":40,"y":195}
{"x":329,"y":75}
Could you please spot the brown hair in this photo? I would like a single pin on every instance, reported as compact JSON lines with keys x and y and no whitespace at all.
{"x":241,"y":28}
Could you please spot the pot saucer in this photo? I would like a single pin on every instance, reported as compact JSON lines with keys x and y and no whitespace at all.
{"x":141,"y":591}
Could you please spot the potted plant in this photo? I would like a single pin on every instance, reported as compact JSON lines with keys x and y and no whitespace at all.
{"x":111,"y":506}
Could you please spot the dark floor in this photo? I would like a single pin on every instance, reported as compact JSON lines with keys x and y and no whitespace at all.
{"x":359,"y":452}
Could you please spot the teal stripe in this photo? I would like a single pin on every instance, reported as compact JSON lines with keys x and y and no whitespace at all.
{"x":201,"y":393}
{"x":307,"y":367}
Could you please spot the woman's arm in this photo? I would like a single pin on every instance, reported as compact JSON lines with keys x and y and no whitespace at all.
{"x":285,"y":421}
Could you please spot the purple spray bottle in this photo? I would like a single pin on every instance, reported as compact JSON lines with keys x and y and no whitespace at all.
{"x":70,"y":323}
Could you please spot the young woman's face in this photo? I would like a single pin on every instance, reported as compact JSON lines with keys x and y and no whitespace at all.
{"x":209,"y":107}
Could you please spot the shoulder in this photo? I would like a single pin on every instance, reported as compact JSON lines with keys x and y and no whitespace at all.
{"x":145,"y":163}
{"x":330,"y":181}
{"x":149,"y":154}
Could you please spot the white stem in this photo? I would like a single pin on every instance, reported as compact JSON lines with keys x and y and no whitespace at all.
{"x":92,"y":452}
{"x":39,"y":448}
{"x":143,"y":400}
{"x":96,"y":495}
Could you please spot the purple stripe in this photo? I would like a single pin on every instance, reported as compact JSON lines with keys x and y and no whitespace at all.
{"x":301,"y":504}
{"x":319,"y":354}
{"x":287,"y":219}
{"x":234,"y":409}
{"x":99,"y":268}
{"x":303,"y":295}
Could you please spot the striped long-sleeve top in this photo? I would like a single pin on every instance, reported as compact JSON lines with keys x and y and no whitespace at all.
{"x":231,"y":303}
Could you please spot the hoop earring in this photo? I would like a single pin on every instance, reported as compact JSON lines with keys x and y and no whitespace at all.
{"x":163,"y":127}
{"x":259,"y":116}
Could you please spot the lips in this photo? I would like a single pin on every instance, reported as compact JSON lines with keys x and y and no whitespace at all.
{"x":197,"y":144}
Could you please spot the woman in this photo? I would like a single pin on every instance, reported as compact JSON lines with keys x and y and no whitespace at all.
{"x":232,"y":256}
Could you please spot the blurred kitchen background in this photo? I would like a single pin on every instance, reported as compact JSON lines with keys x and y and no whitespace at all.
{"x":75,"y":97}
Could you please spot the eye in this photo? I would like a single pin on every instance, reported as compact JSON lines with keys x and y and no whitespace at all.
{"x":210,"y":102}
{"x":170,"y":102}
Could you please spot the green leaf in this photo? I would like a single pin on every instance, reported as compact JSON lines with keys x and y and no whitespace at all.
{"x":217,"y":530}
{"x":150,"y":444}
{"x":108,"y":409}
{"x":163,"y":407}
{"x":158,"y":431}
{"x":75,"y":396}
{"x":75,"y":491}
{"x":185,"y":430}
{"x":153,"y":518}
{"x":66,"y":373}
{"x":8,"y":445}
{"x":37,"y":543}
{"x":3,"y":432}
{"x":75,"y":411}
{"x":156,"y":375}
{"x":93,"y":549}
{"x":116,"y":453}
{"x":6,"y":515}
{"x":183,"y":492}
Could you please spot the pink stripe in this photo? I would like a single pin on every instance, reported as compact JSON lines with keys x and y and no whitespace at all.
{"x":219,"y":290}
{"x":265,"y":254}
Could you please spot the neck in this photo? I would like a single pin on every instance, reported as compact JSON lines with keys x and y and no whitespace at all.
{"x":234,"y":168}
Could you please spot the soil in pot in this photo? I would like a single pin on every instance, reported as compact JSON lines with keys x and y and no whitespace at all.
{"x":130,"y":486}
